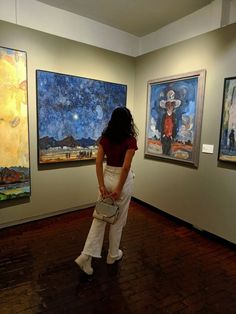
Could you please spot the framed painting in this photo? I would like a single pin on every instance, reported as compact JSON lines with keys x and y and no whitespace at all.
{"x":14,"y":135}
{"x":174,"y":117}
{"x":227,"y":147}
{"x":72,"y":112}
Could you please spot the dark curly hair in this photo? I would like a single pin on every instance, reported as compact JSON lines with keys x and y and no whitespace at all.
{"x":120,"y":126}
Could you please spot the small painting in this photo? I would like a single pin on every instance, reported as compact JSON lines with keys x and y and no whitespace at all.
{"x":227,"y":147}
{"x":14,"y":136}
{"x":72,"y":112}
{"x":174,"y":116}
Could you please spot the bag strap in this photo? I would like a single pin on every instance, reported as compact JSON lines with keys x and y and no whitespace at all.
{"x":106,"y":200}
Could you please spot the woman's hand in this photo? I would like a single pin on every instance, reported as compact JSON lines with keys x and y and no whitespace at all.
{"x":103,"y":191}
{"x":115,"y":194}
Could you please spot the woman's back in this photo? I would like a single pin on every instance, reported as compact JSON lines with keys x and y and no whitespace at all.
{"x":115,"y":152}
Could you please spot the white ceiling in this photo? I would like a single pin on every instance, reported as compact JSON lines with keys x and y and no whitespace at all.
{"x":137,"y":17}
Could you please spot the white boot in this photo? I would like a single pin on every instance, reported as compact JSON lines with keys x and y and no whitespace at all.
{"x":84,"y":262}
{"x":112,"y":260}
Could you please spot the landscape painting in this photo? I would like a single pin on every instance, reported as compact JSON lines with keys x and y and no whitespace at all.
{"x":227,"y":148}
{"x":14,"y":138}
{"x":174,"y":116}
{"x":72,"y":112}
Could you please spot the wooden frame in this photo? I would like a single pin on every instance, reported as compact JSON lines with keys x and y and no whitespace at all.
{"x":72,"y":112}
{"x":174,"y":117}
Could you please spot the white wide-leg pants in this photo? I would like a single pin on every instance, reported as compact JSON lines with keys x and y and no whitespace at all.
{"x":94,"y":241}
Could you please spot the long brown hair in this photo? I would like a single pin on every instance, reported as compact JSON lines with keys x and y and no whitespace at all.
{"x":120,"y":126}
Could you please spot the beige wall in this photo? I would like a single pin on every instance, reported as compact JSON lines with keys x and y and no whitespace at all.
{"x":205,"y":197}
{"x":72,"y":186}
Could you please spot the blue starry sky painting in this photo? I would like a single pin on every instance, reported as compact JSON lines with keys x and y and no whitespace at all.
{"x":75,"y":106}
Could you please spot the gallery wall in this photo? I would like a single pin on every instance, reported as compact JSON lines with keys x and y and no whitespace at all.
{"x":59,"y":188}
{"x":204,"y":197}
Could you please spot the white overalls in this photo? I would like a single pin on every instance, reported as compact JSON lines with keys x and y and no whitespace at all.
{"x":94,"y":242}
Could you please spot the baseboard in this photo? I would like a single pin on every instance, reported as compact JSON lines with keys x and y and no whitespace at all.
{"x":147,"y":205}
{"x":186,"y":224}
{"x":44,"y":216}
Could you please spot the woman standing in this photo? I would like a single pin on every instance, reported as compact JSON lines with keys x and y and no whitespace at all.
{"x":118,"y":144}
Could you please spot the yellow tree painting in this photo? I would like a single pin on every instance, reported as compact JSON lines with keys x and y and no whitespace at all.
{"x":14,"y":139}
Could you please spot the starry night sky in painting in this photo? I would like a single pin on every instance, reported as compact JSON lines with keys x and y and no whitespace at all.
{"x":75,"y":106}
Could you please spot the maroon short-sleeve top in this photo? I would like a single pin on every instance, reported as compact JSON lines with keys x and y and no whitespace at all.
{"x":114,"y":152}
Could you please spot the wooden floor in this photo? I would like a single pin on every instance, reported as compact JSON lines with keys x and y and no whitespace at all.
{"x":167,"y":268}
